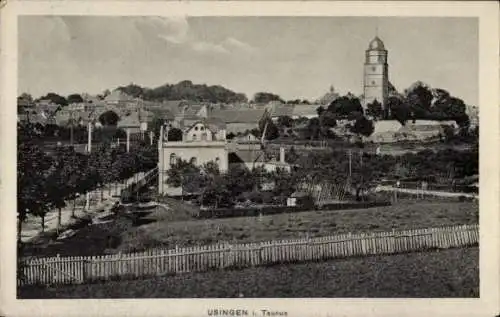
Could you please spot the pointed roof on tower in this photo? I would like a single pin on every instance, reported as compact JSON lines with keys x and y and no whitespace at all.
{"x":376,"y":44}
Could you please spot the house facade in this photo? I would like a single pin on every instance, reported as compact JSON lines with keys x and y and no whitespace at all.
{"x":202,"y":142}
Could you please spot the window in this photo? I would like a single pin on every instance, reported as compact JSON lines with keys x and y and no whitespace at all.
{"x":373,"y":82}
{"x":204,"y":137}
{"x":374,"y":68}
{"x":196,"y":128}
{"x":202,"y":128}
{"x":193,"y":160}
{"x":194,"y":137}
{"x":173,"y":159}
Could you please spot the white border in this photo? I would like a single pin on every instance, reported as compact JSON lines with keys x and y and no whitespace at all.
{"x":487,"y":305}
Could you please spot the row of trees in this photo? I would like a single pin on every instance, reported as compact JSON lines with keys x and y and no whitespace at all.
{"x":365,"y":168}
{"x":46,"y":181}
{"x":52,"y":97}
{"x":357,"y":171}
{"x":420,"y":101}
{"x":52,"y":132}
{"x":216,"y":189}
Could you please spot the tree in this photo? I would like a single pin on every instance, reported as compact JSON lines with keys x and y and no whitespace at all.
{"x":265,"y":97}
{"x":55,"y":98}
{"x":363,"y":127}
{"x":374,"y":109}
{"x":74,"y":98}
{"x":328,"y":120}
{"x":180,"y":169}
{"x":345,"y":106}
{"x":109,"y":118}
{"x":320,"y":110}
{"x":292,"y":156}
{"x":285,"y":121}
{"x":448,"y":133}
{"x":132,"y":90}
{"x":33,"y":167}
{"x":25,"y":98}
{"x":313,"y":129}
{"x":272,"y":131}
{"x":174,"y":134}
{"x":399,"y":109}
{"x":419,"y":99}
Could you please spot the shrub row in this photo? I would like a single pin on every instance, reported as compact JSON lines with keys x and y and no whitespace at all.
{"x":271,"y":210}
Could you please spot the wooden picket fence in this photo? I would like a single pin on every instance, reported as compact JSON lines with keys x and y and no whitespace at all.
{"x":72,"y":270}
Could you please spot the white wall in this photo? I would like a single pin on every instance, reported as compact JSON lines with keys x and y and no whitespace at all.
{"x":203,"y":152}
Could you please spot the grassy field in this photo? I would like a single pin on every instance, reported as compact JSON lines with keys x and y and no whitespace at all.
{"x":445,"y":273}
{"x":167,"y":228}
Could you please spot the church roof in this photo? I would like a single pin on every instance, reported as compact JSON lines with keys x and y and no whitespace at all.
{"x":376,"y":44}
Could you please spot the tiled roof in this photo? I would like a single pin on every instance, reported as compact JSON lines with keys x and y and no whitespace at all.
{"x":130,"y":121}
{"x":214,"y":124}
{"x":247,"y":156}
{"x":162,"y":113}
{"x":238,"y":116}
{"x":282,"y":110}
{"x":305,"y":110}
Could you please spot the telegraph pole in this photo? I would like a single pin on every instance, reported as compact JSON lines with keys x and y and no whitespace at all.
{"x":89,"y":149}
{"x":128,"y":140}
{"x":350,"y":164}
{"x":71,"y":127}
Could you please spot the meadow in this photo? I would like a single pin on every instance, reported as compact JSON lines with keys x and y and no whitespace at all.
{"x":172,"y":226}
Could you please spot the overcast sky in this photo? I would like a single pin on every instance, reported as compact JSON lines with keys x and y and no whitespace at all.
{"x":295,"y":57}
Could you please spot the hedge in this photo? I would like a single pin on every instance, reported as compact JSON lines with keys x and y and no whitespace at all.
{"x":271,"y":210}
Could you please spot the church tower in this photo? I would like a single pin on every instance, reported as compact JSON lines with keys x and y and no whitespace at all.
{"x":376,"y":75}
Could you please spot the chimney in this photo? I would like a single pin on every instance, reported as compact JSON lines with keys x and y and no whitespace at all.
{"x":282,"y":155}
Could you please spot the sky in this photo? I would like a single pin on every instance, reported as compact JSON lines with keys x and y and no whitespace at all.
{"x":294,"y":57}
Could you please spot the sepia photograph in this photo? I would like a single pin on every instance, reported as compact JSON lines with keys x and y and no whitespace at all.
{"x":243,"y":157}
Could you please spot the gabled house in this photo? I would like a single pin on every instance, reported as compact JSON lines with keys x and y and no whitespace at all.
{"x":202,"y":141}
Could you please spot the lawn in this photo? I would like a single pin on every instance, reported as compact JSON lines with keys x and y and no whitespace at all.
{"x":167,"y":228}
{"x":445,"y":273}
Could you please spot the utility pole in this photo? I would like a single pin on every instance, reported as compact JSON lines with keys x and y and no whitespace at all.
{"x":350,"y":164}
{"x":71,"y":127}
{"x":89,"y":150}
{"x":128,"y":140}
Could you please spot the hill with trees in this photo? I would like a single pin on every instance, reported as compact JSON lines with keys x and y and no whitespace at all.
{"x":184,"y":90}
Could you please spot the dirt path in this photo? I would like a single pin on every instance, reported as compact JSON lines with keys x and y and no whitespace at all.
{"x":32,"y":226}
{"x":424,"y":192}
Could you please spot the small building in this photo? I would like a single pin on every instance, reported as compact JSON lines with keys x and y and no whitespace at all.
{"x":202,"y":142}
{"x":300,"y":199}
{"x":305,"y":111}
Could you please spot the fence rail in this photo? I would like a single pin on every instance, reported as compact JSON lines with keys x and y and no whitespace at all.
{"x":69,"y":270}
